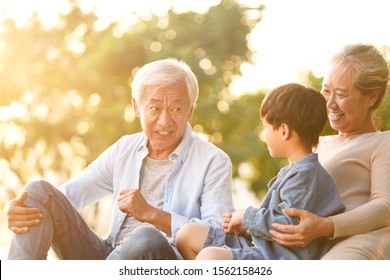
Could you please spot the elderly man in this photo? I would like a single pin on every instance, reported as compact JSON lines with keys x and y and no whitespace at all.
{"x":160,"y":179}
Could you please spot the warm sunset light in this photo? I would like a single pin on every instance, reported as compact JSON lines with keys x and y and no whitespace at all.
{"x":66,"y":73}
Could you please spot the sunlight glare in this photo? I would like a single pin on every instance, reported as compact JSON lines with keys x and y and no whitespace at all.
{"x":12,"y":135}
{"x":21,"y":10}
{"x":16,"y":111}
{"x":294,"y":37}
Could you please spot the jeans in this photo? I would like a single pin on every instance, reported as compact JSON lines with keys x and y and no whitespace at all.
{"x":63,"y":229}
{"x":144,"y":243}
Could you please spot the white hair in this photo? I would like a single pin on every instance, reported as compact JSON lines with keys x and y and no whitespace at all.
{"x":165,"y":72}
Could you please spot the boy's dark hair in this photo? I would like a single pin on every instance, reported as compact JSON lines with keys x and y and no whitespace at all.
{"x":302,"y":108}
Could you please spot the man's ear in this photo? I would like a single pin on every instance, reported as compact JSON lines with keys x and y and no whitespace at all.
{"x":191,"y":112}
{"x":286,"y":131}
{"x":135,"y":106}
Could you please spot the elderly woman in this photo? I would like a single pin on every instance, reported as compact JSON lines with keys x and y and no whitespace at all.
{"x":358,"y":158}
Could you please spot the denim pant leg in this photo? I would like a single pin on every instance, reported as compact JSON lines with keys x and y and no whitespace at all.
{"x":61,"y":227}
{"x":144,"y":243}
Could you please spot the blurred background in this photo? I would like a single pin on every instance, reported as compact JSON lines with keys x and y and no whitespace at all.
{"x":66,"y":68}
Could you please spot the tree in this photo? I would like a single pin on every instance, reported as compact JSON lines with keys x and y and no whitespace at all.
{"x":65,"y":93}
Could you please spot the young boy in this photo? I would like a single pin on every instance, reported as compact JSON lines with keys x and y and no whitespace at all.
{"x":293,"y":117}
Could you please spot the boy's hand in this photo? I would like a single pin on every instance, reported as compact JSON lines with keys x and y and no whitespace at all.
{"x":233,"y":222}
{"x":226,"y":221}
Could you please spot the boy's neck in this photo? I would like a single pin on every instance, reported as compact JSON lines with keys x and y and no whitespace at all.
{"x":298,"y":153}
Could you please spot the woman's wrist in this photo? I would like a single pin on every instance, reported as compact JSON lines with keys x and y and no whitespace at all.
{"x":328,"y":227}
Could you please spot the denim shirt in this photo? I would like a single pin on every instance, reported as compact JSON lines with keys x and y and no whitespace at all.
{"x":304,"y":184}
{"x":198,"y":190}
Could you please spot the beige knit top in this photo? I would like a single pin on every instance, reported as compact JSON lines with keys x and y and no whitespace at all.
{"x":361,"y":169}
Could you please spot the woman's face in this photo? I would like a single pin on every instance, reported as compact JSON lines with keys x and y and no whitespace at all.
{"x":348,"y":109}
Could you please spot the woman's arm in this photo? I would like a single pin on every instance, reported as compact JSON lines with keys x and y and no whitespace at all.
{"x":309,"y":228}
{"x":372,"y":215}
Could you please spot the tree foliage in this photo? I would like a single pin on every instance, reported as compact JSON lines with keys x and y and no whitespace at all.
{"x":65,"y":94}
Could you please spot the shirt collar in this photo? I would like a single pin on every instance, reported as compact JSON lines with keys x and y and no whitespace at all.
{"x":143,"y":146}
{"x":181,"y":151}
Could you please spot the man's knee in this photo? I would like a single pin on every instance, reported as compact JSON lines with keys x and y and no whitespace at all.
{"x":148,"y":237}
{"x":42,"y":193}
{"x":36,"y":192}
{"x":38,"y":187}
{"x":145,"y":243}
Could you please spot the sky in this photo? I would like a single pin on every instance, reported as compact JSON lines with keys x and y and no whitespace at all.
{"x":293,"y":37}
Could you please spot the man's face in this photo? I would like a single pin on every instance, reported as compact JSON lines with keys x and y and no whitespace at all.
{"x":163,"y":112}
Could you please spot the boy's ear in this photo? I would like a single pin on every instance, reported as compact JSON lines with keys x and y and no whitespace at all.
{"x":286,"y":131}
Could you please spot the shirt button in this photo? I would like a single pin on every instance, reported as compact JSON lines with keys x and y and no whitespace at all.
{"x":119,"y":219}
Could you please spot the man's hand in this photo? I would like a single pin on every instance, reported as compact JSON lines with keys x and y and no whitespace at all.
{"x":309,"y":228}
{"x":132,"y":202}
{"x":19,"y":217}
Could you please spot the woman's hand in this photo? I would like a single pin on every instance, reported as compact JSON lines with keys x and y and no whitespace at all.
{"x":309,"y":228}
